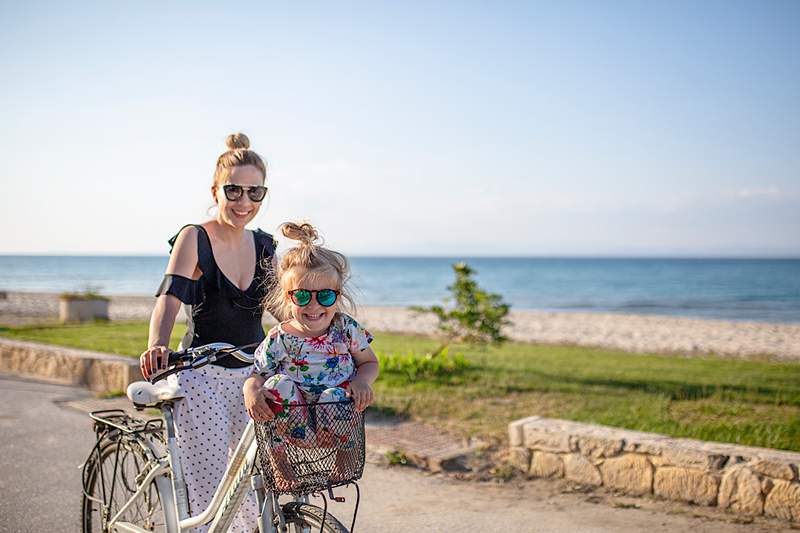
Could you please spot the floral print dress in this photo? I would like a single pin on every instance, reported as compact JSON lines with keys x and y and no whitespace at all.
{"x":307,"y":370}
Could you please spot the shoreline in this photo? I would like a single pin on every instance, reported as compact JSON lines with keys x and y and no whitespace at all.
{"x":627,"y":332}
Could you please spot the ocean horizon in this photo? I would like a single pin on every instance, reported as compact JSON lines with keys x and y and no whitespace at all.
{"x":732,"y":288}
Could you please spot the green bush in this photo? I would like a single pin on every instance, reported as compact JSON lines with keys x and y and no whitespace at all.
{"x":89,"y":292}
{"x":415,"y":366}
{"x":470,"y":315}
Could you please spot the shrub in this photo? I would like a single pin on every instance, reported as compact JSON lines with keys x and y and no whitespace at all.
{"x":89,"y":292}
{"x":473,"y":315}
{"x":415,"y":366}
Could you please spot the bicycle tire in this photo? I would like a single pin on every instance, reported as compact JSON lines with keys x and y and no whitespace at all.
{"x":307,"y":518}
{"x":149,"y":515}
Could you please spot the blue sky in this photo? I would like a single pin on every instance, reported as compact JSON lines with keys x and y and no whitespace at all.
{"x":569,"y":128}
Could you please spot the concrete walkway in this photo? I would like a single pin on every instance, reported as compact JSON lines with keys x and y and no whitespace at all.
{"x":45,"y":437}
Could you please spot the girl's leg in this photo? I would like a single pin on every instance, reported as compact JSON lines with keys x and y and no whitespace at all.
{"x":291,"y":421}
{"x":291,"y":427}
{"x":334,"y":411}
{"x":336,"y":430}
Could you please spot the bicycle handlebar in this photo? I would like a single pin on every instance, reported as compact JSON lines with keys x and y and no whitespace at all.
{"x":201,"y":356}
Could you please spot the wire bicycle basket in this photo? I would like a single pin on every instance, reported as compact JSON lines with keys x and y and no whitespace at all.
{"x":309,"y":448}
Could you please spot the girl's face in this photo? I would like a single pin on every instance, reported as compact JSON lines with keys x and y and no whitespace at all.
{"x":241,"y":211}
{"x":312,"y":319}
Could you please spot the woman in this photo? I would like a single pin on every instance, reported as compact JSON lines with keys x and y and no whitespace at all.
{"x":222,"y":272}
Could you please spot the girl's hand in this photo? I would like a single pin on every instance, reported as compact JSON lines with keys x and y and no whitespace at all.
{"x":361,"y":393}
{"x":255,"y":400}
{"x":153,"y":360}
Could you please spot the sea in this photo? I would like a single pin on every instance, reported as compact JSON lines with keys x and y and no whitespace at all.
{"x":765,"y":290}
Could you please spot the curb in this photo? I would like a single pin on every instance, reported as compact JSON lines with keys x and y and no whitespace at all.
{"x":744,"y":480}
{"x":99,"y":372}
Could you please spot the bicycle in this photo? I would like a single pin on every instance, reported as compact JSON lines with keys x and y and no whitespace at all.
{"x":133,"y":481}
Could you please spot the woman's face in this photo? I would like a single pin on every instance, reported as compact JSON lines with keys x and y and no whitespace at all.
{"x":238,"y":212}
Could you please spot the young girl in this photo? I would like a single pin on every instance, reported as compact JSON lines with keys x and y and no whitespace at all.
{"x":320,"y":354}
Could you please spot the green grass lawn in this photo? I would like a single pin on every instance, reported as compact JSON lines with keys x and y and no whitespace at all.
{"x":747,"y":402}
{"x":123,"y":338}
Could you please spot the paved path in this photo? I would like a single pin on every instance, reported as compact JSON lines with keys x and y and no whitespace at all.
{"x":42,"y":442}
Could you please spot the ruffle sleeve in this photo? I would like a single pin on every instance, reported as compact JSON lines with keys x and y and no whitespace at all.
{"x":269,"y":354}
{"x":358,"y":337}
{"x":266,"y":244}
{"x":174,"y":238}
{"x":188,"y":291}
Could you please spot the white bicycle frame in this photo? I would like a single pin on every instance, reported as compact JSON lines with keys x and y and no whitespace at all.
{"x":167,"y":474}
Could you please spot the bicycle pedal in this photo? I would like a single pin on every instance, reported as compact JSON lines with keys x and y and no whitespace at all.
{"x":337,"y":499}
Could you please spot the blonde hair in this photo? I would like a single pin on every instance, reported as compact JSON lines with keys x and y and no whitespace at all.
{"x":306,"y":261}
{"x":238,"y":154}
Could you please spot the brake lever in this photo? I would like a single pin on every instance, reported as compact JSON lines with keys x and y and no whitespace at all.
{"x":202,"y":360}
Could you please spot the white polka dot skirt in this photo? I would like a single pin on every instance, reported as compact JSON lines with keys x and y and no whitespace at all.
{"x":210,"y":421}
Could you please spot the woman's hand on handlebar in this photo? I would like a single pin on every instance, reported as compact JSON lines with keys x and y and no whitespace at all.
{"x":255,"y":399}
{"x":154,"y":360}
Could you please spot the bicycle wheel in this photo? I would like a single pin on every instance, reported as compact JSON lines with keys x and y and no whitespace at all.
{"x":110,"y":476}
{"x":307,"y":518}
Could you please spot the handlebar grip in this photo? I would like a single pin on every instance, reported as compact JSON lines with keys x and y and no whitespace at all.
{"x":173,"y":358}
{"x":164,"y":375}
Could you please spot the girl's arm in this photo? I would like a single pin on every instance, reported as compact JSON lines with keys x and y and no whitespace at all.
{"x":366,"y":374}
{"x":183,"y":262}
{"x":255,"y":398}
{"x":267,"y":360}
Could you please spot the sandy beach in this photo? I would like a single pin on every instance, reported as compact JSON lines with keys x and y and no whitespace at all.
{"x":635,"y":333}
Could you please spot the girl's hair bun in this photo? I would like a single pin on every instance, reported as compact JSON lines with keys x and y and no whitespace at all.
{"x":237,"y":141}
{"x":304,"y":232}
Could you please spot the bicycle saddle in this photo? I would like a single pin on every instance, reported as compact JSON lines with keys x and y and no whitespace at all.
{"x":146,"y":394}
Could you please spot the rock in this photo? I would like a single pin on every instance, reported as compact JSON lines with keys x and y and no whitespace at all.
{"x":783,"y":501}
{"x":772,"y":468}
{"x":537,"y":437}
{"x":546,"y":465}
{"x":520,"y":458}
{"x":596,"y":447}
{"x":630,"y":473}
{"x":766,"y":485}
{"x":99,"y":372}
{"x":650,"y":444}
{"x":690,"y":454}
{"x":578,"y":468}
{"x":686,"y":485}
{"x":516,"y":430}
{"x":740,"y":491}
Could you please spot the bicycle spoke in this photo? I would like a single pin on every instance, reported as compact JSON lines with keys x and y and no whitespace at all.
{"x":119,"y":466}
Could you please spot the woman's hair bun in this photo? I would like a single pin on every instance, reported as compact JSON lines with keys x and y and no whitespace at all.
{"x":303,"y":232}
{"x":237,"y":141}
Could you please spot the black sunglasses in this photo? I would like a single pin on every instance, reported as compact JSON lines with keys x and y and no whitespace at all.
{"x":325,"y":297}
{"x":233,"y":192}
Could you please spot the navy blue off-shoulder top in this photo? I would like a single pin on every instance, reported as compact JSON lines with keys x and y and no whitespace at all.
{"x":219,"y":310}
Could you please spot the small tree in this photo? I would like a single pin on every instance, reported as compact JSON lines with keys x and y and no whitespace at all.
{"x":475,"y":316}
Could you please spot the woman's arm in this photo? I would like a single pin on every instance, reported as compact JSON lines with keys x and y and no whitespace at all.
{"x":182,"y":262}
{"x":163,"y":320}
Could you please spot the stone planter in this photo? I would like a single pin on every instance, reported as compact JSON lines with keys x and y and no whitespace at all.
{"x":77,"y":309}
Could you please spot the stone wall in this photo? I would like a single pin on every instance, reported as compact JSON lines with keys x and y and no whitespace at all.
{"x":98,"y":371}
{"x":741,"y":479}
